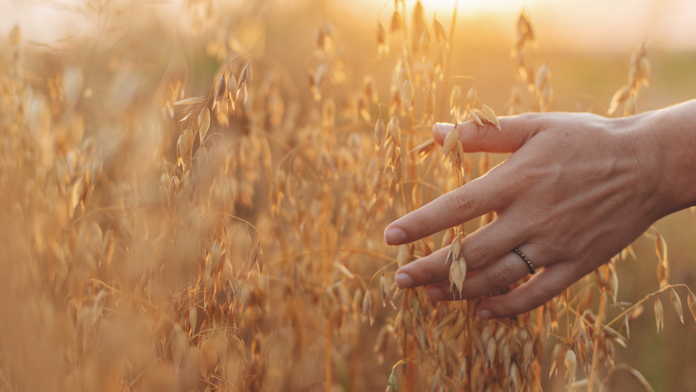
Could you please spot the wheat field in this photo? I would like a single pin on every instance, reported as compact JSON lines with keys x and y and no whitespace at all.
{"x":195,"y":200}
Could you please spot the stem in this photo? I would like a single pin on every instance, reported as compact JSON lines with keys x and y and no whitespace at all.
{"x":647,"y":297}
{"x":411,"y":381}
{"x":595,"y":341}
{"x":443,"y":99}
{"x":326,"y":272}
{"x":353,"y":367}
{"x":328,"y":353}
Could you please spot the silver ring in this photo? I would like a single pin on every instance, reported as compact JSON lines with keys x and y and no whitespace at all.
{"x":532,"y":270}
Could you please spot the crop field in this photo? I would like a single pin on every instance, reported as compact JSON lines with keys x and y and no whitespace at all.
{"x":193,"y":196}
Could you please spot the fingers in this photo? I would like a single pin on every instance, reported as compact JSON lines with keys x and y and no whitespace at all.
{"x":480,"y":248}
{"x":426,"y":270}
{"x":492,"y":277}
{"x":488,"y":193}
{"x":514,"y":132}
{"x":545,"y":285}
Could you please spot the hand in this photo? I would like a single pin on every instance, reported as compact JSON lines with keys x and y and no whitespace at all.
{"x":577,"y":189}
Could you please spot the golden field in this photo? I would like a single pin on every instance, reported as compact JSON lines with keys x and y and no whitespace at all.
{"x":193,"y":197}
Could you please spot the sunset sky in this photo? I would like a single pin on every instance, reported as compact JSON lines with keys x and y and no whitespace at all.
{"x":586,"y":25}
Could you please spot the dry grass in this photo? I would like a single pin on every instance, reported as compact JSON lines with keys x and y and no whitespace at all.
{"x":233,"y":241}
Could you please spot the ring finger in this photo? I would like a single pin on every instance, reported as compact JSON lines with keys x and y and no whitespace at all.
{"x":493,"y":277}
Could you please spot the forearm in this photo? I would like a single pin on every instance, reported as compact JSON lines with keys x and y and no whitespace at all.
{"x":670,"y":137}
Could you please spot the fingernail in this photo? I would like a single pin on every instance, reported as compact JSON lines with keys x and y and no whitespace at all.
{"x":484,"y":314}
{"x":394,"y":236}
{"x":443,"y":128}
{"x":404,"y":280}
{"x":434,"y":293}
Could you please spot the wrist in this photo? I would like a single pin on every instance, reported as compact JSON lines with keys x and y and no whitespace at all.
{"x":666,"y":150}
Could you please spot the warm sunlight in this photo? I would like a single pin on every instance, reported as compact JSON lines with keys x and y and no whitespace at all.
{"x":475,"y":5}
{"x":347,"y":195}
{"x":587,"y":25}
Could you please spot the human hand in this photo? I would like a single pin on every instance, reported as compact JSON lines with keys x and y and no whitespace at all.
{"x":577,"y":189}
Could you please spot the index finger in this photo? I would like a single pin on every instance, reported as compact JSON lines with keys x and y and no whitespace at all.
{"x":515,"y":131}
{"x":484,"y":194}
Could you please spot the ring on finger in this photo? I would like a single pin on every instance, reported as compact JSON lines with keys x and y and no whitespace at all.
{"x":532,"y":270}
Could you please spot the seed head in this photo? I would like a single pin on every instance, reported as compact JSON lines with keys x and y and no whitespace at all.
{"x":408,"y":93}
{"x":384,"y":290}
{"x":659,"y":315}
{"x":379,"y":132}
{"x":367,"y":307}
{"x":676,"y":301}
{"x":490,"y":116}
{"x":450,"y":143}
{"x":571,"y":364}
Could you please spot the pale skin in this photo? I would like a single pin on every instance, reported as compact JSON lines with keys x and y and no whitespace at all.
{"x":577,"y":189}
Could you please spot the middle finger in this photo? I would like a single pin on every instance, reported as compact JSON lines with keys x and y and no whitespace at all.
{"x":480,"y":248}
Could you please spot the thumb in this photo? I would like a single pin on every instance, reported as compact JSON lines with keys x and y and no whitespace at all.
{"x":513,"y":133}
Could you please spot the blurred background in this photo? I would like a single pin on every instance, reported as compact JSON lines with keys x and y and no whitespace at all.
{"x":124,"y":47}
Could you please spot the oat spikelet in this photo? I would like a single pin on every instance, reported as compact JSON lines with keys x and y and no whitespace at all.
{"x":246,"y":246}
{"x":455,"y":100}
{"x":474,"y":117}
{"x":507,"y":357}
{"x":490,"y":115}
{"x":203,"y":124}
{"x":395,"y":24}
{"x":659,"y":315}
{"x":255,"y":256}
{"x":424,"y":149}
{"x":618,"y":99}
{"x":232,"y":89}
{"x":691,"y":302}
{"x":379,"y":132}
{"x":408,"y":93}
{"x":450,"y":143}
{"x":393,"y":128}
{"x":528,"y":353}
{"x":259,"y":259}
{"x":515,"y":376}
{"x":403,"y":257}
{"x":471,"y":98}
{"x":556,"y":358}
{"x":239,"y":346}
{"x":447,"y":238}
{"x":193,"y":317}
{"x":384,"y":290}
{"x":440,"y":33}
{"x":571,"y":364}
{"x":676,"y":301}
{"x":542,"y":77}
{"x":367,"y":307}
{"x":382,"y":44}
{"x":455,"y":249}
{"x":458,"y":274}
{"x":190,"y":101}
{"x":455,"y":277}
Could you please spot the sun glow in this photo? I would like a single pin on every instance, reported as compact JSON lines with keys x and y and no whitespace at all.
{"x":471,"y":6}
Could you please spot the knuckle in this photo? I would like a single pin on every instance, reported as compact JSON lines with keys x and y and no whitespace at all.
{"x":433,"y":275}
{"x":579,"y":268}
{"x":462,"y":200}
{"x":538,"y":297}
{"x":537,"y":120}
{"x":475,"y":254}
{"x":543,"y":219}
{"x":526,"y":176}
{"x":501,"y":275}
{"x":421,"y":224}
